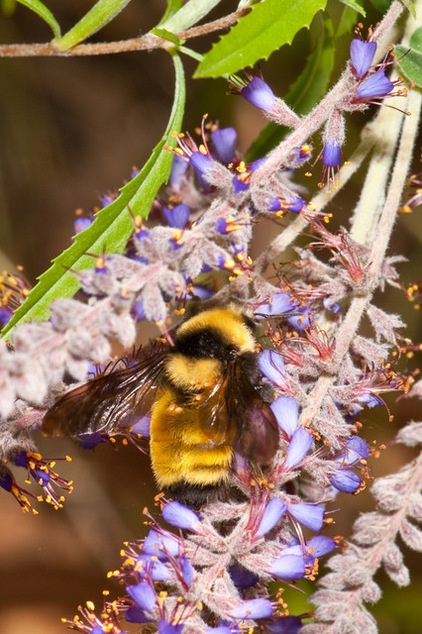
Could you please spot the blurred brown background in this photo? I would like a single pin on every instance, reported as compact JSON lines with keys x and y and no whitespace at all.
{"x":70,"y":130}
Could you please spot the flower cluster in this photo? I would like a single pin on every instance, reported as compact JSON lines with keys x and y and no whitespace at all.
{"x":214,"y":571}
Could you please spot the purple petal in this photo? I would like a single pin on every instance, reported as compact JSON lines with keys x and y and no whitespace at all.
{"x":346,"y":481}
{"x":288,"y":567}
{"x":142,"y":427}
{"x":256,"y":163}
{"x":151,"y":567}
{"x":333,"y":307}
{"x":253,"y":609}
{"x":274,"y":510}
{"x":331,"y":154}
{"x":284,"y":625}
{"x":187,"y":570}
{"x":286,"y":411}
{"x":361,"y":55}
{"x":280,"y":204}
{"x":200,"y":162}
{"x":167,"y":628}
{"x":321,"y":545}
{"x":90,"y":441}
{"x":160,"y":545}
{"x":224,"y":141}
{"x":81,"y":224}
{"x":239,"y":185}
{"x":371,"y":400}
{"x":135,"y":614}
{"x":241,"y":577}
{"x":259,"y":94}
{"x":179,"y":515}
{"x":302,"y":320}
{"x":355,"y":450}
{"x":143,"y":594}
{"x":279,"y":304}
{"x":178,"y":170}
{"x":376,"y":86}
{"x":178,"y":216}
{"x":271,"y":364}
{"x":299,"y":446}
{"x":309,"y":515}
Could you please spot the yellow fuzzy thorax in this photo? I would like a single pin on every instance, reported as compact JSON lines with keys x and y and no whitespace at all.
{"x":230,"y":326}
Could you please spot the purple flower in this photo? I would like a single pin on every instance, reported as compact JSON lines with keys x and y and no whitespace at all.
{"x":274,"y":511}
{"x":177,"y":216}
{"x":376,"y":86}
{"x":331,"y":154}
{"x":284,"y":625}
{"x":226,"y":225}
{"x":142,"y":427}
{"x":144,"y":595}
{"x":259,"y":94}
{"x":150,"y":567}
{"x":310,"y":515}
{"x":361,"y":55}
{"x":5,"y":315}
{"x":286,"y":411}
{"x":135,"y":614}
{"x":299,"y":446}
{"x":321,"y":545}
{"x":278,"y":304}
{"x":280,"y":204}
{"x":346,"y":481}
{"x":90,"y":441}
{"x":201,"y":163}
{"x":239,"y":184}
{"x":241,"y":577}
{"x":177,"y":514}
{"x":332,"y":307}
{"x":178,"y":170}
{"x":271,"y":364}
{"x":288,"y":567}
{"x":168,"y":628}
{"x":160,"y":544}
{"x":302,"y":320}
{"x":81,"y":224}
{"x":224,"y":141}
{"x":186,"y":570}
{"x":355,"y":449}
{"x":253,"y":609}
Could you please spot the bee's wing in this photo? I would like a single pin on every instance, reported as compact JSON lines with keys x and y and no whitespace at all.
{"x":236,"y":408}
{"x":257,"y":432}
{"x":109,"y":402}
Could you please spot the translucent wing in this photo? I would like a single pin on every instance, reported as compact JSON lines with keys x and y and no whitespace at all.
{"x":109,"y":402}
{"x":235,"y":407}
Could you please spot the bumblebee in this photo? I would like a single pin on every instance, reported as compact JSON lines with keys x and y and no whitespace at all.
{"x":206,"y":400}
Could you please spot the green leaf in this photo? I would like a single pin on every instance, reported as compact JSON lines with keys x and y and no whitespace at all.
{"x":45,"y":14}
{"x":306,"y":91}
{"x":166,"y":35}
{"x":411,"y":60}
{"x":101,"y":14}
{"x":188,"y":15}
{"x":259,"y":33}
{"x":173,"y":6}
{"x":346,"y":23}
{"x":381,"y":5}
{"x":112,"y":226}
{"x":353,"y":4}
{"x":410,"y":6}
